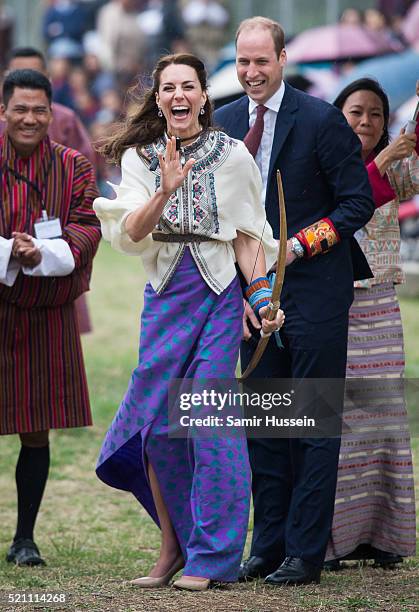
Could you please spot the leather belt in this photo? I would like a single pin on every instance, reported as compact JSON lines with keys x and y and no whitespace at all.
{"x":160,"y":237}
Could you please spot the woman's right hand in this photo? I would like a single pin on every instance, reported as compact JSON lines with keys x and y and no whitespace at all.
{"x":401,"y":147}
{"x":172,"y":174}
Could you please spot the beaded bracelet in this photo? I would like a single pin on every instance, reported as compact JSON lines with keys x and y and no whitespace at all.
{"x":259,"y":293}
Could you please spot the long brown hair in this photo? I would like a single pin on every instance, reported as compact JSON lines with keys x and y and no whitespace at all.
{"x":144,"y":125}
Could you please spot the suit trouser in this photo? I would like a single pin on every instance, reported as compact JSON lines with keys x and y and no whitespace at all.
{"x":294,"y":480}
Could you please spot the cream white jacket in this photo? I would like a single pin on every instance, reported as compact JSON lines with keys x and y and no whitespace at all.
{"x":220,"y":196}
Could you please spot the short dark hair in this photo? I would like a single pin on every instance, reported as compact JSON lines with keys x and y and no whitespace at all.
{"x":26,"y":79}
{"x":26,"y":52}
{"x":369,"y":85}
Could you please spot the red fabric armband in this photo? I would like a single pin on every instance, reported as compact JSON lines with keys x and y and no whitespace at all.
{"x":319,"y":237}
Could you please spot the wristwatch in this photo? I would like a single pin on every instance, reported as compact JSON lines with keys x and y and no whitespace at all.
{"x":297,"y":248}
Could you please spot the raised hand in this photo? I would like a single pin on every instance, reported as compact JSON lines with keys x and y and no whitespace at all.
{"x":172,"y":172}
{"x":402,"y":146}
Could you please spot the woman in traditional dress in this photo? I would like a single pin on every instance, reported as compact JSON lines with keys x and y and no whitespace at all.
{"x":190,"y":214}
{"x":375,"y":502}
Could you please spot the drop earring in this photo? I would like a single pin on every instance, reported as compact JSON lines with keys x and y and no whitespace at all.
{"x":202,"y":111}
{"x":159,"y":112}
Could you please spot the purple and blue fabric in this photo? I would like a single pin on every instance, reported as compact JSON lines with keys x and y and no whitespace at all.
{"x":187,"y":332}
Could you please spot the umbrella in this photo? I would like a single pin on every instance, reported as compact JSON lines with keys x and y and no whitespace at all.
{"x":397,"y":74}
{"x":224,"y":83}
{"x":339,"y":41}
{"x":323,"y":80}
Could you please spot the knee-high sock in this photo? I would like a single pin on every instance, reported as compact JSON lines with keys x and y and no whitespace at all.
{"x":31,"y":476}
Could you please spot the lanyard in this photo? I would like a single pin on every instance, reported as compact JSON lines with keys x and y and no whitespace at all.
{"x":22,"y":177}
{"x":31,"y":184}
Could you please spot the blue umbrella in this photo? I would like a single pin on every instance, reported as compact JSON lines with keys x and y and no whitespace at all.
{"x":396,"y":73}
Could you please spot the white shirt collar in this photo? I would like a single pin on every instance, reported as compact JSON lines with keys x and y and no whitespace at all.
{"x":274,"y":102}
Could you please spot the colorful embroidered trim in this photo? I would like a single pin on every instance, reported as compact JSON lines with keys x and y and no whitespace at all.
{"x":319,"y":237}
{"x":259,"y":293}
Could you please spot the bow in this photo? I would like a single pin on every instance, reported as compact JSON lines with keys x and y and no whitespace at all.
{"x":279,"y":280}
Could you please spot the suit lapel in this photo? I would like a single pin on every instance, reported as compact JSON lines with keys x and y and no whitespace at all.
{"x":284,"y":123}
{"x":239,"y":122}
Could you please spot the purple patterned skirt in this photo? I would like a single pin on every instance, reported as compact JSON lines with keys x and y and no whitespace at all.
{"x":187,"y":332}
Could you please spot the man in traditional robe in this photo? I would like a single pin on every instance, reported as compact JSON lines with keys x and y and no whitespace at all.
{"x":65,"y":128}
{"x":48,"y":237}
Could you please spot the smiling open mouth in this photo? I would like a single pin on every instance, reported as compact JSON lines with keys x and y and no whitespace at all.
{"x":254,"y":84}
{"x":180,"y":112}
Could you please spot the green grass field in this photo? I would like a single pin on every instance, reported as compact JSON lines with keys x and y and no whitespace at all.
{"x":95,"y":538}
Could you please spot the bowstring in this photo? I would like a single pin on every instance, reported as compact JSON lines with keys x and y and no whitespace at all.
{"x":258,"y":251}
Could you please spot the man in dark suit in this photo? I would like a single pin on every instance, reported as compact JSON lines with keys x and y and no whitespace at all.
{"x":328,"y":198}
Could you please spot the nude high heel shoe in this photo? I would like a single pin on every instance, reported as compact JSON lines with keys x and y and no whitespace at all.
{"x":188,"y":583}
{"x":149,"y":582}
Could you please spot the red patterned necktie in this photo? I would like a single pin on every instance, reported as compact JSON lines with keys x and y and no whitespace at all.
{"x":254,"y":135}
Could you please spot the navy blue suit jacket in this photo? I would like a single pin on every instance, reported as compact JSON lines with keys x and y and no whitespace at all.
{"x":323,"y":175}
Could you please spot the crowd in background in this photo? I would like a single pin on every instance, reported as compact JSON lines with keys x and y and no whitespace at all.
{"x":97,"y":49}
{"x":387,"y":16}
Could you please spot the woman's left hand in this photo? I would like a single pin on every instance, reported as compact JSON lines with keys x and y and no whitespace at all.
{"x":402,"y":146}
{"x":268,"y":327}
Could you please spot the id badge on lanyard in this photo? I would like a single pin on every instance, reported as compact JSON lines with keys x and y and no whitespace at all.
{"x":47,"y":227}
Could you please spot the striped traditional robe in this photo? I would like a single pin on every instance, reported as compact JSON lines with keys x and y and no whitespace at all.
{"x":42,"y":377}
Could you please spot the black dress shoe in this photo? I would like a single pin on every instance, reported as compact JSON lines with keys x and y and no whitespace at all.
{"x":386,"y":559}
{"x":24,"y":552}
{"x":255,"y":567}
{"x":294,"y":571}
{"x":332,"y":566}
